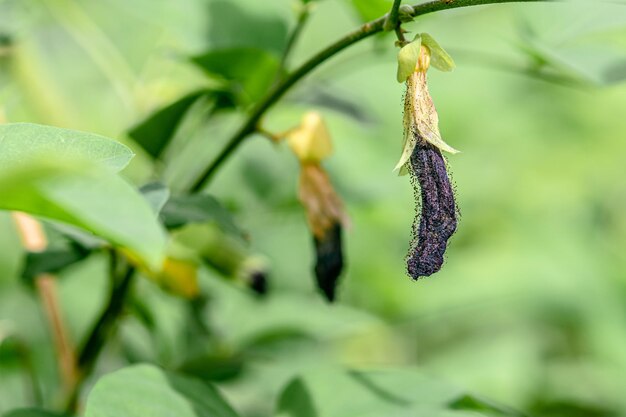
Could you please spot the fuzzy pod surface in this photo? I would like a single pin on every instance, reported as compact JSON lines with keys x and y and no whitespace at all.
{"x":437,"y":219}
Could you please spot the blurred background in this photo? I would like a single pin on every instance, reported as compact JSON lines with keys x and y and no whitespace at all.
{"x":530,"y":307}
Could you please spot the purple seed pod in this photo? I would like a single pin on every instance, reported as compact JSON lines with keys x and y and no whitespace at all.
{"x":438,"y":216}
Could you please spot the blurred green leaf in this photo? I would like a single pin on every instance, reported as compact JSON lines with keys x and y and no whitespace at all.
{"x":32,"y":412}
{"x":571,"y":409}
{"x":223,"y":252}
{"x":11,"y":349}
{"x":247,"y":72}
{"x":145,"y":390}
{"x":295,"y":400}
{"x":84,"y":195}
{"x":52,"y":260}
{"x":156,"y":194}
{"x":471,"y":402}
{"x":78,"y":236}
{"x":264,"y":28}
{"x":23,"y":140}
{"x":154,"y":133}
{"x":398,"y":392}
{"x":198,"y":208}
{"x":615,"y":72}
{"x":213,"y":366}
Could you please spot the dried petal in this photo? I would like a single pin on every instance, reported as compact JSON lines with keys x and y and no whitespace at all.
{"x":422,"y":108}
{"x":325,"y":216}
{"x":437,"y":220}
{"x":420,"y":115}
{"x":323,"y":206}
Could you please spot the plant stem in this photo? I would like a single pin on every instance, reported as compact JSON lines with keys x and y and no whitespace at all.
{"x":392,"y":21}
{"x":121,"y":274}
{"x":365,"y":31}
{"x":34,"y":239}
{"x":47,"y":291}
{"x":303,"y":16}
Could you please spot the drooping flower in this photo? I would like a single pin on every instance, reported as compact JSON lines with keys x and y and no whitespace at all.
{"x":311,"y":143}
{"x":421,"y":157}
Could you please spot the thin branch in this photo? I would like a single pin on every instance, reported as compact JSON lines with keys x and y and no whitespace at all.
{"x":400,"y":35}
{"x":34,"y":240}
{"x":121,"y":274}
{"x":47,"y":290}
{"x":121,"y":277}
{"x":392,"y":21}
{"x":365,"y":31}
{"x":303,"y":16}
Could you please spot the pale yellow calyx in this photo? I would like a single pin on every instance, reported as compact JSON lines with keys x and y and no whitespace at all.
{"x":421,"y":121}
{"x":310,"y":141}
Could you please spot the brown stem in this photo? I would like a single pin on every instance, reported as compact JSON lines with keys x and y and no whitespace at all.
{"x":34,"y":240}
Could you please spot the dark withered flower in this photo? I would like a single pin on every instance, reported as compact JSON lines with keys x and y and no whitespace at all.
{"x":421,"y":157}
{"x":257,"y":281}
{"x":311,"y":143}
{"x":326,"y":217}
{"x":329,"y":260}
{"x":437,"y":220}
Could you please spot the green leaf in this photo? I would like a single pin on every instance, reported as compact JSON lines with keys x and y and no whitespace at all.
{"x":156,"y":132}
{"x":223,"y":252}
{"x":474,"y":403}
{"x":156,"y":194}
{"x":407,"y":59}
{"x":198,"y":208}
{"x":147,"y":391}
{"x":439,"y":58}
{"x":296,"y":400}
{"x":247,"y":72}
{"x":214,"y":366}
{"x":11,"y":349}
{"x":52,"y":260}
{"x":397,"y":392}
{"x":23,"y":140}
{"x":247,"y":24}
{"x":84,"y":195}
{"x":32,"y":412}
{"x":78,"y":236}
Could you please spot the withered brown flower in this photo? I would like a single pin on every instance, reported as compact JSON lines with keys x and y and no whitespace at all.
{"x":421,"y":157}
{"x":326,"y":219}
{"x":311,"y":143}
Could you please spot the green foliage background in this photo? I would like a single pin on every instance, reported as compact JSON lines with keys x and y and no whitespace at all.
{"x":530,"y":307}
